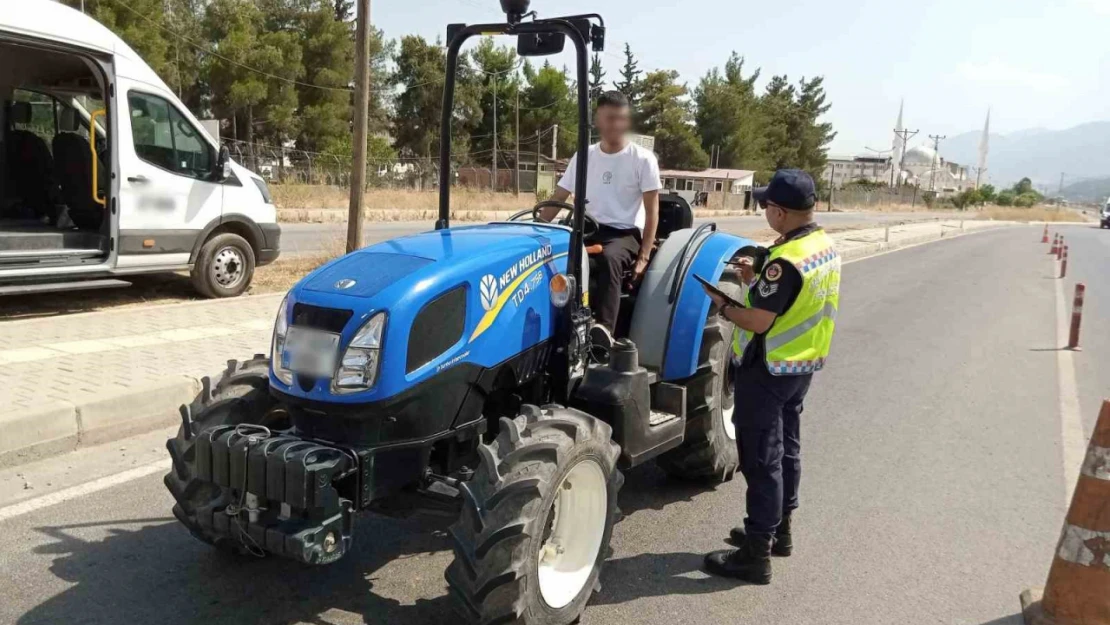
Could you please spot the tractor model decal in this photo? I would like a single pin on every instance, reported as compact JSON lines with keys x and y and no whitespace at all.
{"x":529,"y":287}
{"x":516,"y":274}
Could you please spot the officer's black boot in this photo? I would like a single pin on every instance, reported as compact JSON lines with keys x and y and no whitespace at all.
{"x":783,"y":543}
{"x":750,"y":563}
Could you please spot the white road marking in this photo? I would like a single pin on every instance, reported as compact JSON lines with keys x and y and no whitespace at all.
{"x":1072,"y":440}
{"x":81,"y":490}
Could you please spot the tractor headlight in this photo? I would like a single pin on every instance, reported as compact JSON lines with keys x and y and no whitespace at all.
{"x":562,"y":287}
{"x":277,"y":347}
{"x":358,"y":370}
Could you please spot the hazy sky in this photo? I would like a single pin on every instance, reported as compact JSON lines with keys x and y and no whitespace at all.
{"x":1037,"y":64}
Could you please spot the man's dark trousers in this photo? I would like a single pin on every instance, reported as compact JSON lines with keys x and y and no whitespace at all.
{"x":767,"y":416}
{"x":619,"y":251}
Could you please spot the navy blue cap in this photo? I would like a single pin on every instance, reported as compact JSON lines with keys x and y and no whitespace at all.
{"x":789,"y":188}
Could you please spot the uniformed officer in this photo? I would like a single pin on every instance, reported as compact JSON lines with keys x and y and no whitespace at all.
{"x":782,"y":337}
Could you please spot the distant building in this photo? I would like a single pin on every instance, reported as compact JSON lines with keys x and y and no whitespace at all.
{"x":924,"y":168}
{"x":690,"y":183}
{"x":842,"y":170}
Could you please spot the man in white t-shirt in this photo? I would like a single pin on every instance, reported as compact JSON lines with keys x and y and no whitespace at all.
{"x":622,"y":191}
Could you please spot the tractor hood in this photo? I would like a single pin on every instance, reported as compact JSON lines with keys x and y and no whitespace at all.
{"x":469,"y":298}
{"x":370,"y":270}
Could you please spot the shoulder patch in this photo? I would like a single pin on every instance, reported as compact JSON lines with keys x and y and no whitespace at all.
{"x":773,"y":273}
{"x":766,"y":289}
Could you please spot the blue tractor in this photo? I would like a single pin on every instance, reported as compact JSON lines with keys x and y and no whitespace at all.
{"x":454,"y":367}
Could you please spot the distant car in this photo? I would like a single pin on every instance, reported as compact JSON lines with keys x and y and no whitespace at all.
{"x":1104,"y":216}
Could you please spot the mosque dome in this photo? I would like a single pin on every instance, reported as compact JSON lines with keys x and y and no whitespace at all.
{"x":921,"y":155}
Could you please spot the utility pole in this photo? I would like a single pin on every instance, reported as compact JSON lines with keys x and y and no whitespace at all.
{"x":831,"y":169}
{"x":554,"y":142}
{"x":979,"y":175}
{"x":537,"y":153}
{"x":493,"y":182}
{"x":936,"y":153}
{"x":516,"y":174}
{"x":905,"y":135}
{"x":1060,"y":191}
{"x":362,"y":109}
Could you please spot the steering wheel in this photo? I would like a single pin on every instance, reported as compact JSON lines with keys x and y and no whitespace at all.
{"x":589,"y":228}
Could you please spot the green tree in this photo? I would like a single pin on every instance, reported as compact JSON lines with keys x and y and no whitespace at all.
{"x":811,"y":135}
{"x":139,"y":23}
{"x":781,"y":119}
{"x":1005,"y":198}
{"x":327,"y":51}
{"x":495,"y":72}
{"x":665,"y":113}
{"x":1028,"y":199}
{"x":630,"y":73}
{"x":986,"y":193}
{"x":597,"y":78}
{"x":251,"y":97}
{"x":549,"y":99}
{"x":730,"y":117}
{"x":1025,"y":185}
{"x":417,"y":108}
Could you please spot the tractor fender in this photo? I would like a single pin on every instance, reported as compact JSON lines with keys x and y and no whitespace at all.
{"x":671,"y":306}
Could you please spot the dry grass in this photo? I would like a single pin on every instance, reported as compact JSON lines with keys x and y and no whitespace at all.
{"x":301,"y":196}
{"x":1036,"y":213}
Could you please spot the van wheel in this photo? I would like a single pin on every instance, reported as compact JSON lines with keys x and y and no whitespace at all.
{"x":224,"y":266}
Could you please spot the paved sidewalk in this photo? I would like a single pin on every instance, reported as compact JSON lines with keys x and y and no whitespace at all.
{"x":85,"y":378}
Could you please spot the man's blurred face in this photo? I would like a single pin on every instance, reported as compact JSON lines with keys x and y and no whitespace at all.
{"x":613,"y":122}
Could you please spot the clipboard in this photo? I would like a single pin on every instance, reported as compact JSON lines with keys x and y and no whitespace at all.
{"x":713,"y":288}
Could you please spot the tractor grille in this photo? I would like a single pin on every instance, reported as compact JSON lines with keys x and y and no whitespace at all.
{"x":318,"y":318}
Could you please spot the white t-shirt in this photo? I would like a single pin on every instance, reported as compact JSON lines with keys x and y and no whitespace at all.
{"x":616,"y":184}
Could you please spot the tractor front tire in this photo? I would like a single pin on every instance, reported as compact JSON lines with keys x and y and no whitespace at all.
{"x":708,"y":452}
{"x":240,"y":395}
{"x":536,"y":520}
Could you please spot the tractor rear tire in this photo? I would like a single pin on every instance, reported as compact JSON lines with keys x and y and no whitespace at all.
{"x":517,"y":558}
{"x":708,"y":452}
{"x":240,"y":395}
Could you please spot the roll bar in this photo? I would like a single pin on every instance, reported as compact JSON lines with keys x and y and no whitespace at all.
{"x":580,"y":30}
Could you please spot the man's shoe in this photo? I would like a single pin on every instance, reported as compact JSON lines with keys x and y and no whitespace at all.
{"x":750,"y":563}
{"x":782,"y":545}
{"x":601,"y":340}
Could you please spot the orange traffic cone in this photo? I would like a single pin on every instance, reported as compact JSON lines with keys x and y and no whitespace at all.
{"x":1044,"y":237}
{"x":1055,"y":245}
{"x":1076,"y":592}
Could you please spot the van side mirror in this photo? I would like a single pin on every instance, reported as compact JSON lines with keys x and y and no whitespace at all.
{"x":223,"y":168}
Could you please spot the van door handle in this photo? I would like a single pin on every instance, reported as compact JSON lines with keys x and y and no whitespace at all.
{"x":138,"y":179}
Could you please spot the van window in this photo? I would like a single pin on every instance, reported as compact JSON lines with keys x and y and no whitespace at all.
{"x":164,"y":138}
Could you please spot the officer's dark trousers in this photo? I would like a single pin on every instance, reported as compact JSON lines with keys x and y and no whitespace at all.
{"x":767,"y":415}
{"x":619,"y":251}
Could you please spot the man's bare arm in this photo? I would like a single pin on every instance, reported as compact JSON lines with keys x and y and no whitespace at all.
{"x":549,"y":212}
{"x":651,"y":223}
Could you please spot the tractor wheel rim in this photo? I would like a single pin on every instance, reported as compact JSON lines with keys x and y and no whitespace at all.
{"x":728,"y":406}
{"x":227,"y":267}
{"x":577,"y":525}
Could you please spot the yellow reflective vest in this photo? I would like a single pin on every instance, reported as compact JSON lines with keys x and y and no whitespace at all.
{"x":799,"y":339}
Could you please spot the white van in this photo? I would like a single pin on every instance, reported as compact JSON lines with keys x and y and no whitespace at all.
{"x":104,"y":173}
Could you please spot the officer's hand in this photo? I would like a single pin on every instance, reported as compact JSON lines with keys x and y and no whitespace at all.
{"x":747,"y":272}
{"x":717,"y":299}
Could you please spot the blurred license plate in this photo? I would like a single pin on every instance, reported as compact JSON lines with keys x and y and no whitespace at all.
{"x":311,"y":352}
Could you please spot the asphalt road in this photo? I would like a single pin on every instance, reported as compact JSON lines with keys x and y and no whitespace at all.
{"x":932,"y":489}
{"x":307,"y":238}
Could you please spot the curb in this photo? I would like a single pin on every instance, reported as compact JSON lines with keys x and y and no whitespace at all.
{"x":60,"y":426}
